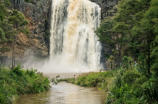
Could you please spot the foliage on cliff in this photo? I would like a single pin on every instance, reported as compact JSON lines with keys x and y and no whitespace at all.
{"x":19,"y":81}
{"x":133,"y":36}
{"x":133,"y":32}
{"x":12,"y":22}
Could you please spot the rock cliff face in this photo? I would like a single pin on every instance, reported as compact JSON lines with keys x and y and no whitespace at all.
{"x":108,"y":7}
{"x":38,"y":13}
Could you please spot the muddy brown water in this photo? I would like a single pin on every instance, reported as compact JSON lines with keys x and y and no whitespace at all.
{"x":65,"y":93}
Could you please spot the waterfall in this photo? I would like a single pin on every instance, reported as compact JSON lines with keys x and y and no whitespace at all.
{"x":73,"y":43}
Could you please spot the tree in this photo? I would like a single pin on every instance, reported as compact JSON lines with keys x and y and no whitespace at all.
{"x":12,"y":22}
{"x":2,"y":34}
{"x":111,"y":60}
{"x":18,"y":21}
{"x":135,"y":29}
{"x":152,"y":16}
{"x":110,"y":38}
{"x":145,"y":31}
{"x":3,"y":12}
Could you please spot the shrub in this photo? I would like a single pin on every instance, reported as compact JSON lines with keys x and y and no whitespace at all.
{"x":19,"y":81}
{"x":150,"y":91}
{"x":141,"y":80}
{"x":130,"y":76}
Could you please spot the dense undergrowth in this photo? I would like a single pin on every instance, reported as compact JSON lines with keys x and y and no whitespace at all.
{"x":125,"y":85}
{"x":132,"y":87}
{"x":19,"y":81}
{"x":92,"y":79}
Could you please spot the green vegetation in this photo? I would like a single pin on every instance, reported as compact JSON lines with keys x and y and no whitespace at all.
{"x":19,"y":81}
{"x":133,"y":32}
{"x":55,"y":80}
{"x":131,"y":86}
{"x":125,"y":85}
{"x":12,"y":22}
{"x":132,"y":36}
{"x":102,"y":80}
{"x":16,"y":81}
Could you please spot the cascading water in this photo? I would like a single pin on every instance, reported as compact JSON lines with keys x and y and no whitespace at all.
{"x":73,"y":43}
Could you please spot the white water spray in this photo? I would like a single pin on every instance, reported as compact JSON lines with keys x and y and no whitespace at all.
{"x":73,"y":44}
{"x":74,"y":47}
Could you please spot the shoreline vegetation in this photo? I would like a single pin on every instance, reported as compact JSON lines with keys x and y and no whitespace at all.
{"x":18,"y":81}
{"x":124,"y":85}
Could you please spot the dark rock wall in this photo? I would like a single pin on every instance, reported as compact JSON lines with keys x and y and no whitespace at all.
{"x":108,"y":7}
{"x":37,"y":13}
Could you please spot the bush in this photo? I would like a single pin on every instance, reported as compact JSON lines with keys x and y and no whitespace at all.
{"x":130,"y":76}
{"x":91,"y":79}
{"x":19,"y":81}
{"x":133,"y":87}
{"x":150,"y":92}
{"x":141,"y":80}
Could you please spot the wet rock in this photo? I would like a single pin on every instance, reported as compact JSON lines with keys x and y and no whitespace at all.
{"x":108,"y":7}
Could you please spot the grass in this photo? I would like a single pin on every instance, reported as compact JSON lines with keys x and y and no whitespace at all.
{"x":99,"y":79}
{"x":18,"y":81}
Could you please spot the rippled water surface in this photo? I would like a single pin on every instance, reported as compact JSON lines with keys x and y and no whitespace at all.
{"x":64,"y":93}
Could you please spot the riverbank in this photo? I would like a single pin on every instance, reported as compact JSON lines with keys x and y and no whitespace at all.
{"x":123,"y":85}
{"x":92,"y":79}
{"x":18,"y":81}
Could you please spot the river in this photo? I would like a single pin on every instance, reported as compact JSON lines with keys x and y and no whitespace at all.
{"x":64,"y":93}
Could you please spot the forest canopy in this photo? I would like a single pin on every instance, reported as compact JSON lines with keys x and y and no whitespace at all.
{"x":133,"y":32}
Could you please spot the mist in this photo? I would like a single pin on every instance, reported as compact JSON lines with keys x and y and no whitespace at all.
{"x":74,"y":46}
{"x":55,"y":65}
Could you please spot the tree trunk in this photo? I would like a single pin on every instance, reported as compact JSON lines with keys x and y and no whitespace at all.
{"x":111,"y":65}
{"x":13,"y":53}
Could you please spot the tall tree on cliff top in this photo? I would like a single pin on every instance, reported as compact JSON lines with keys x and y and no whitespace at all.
{"x":18,"y":21}
{"x":144,"y":30}
{"x":136,"y":29}
{"x":3,"y":15}
{"x":110,"y":38}
{"x":152,"y":16}
{"x":105,"y":34}
{"x":12,"y":22}
{"x":136,"y":25}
